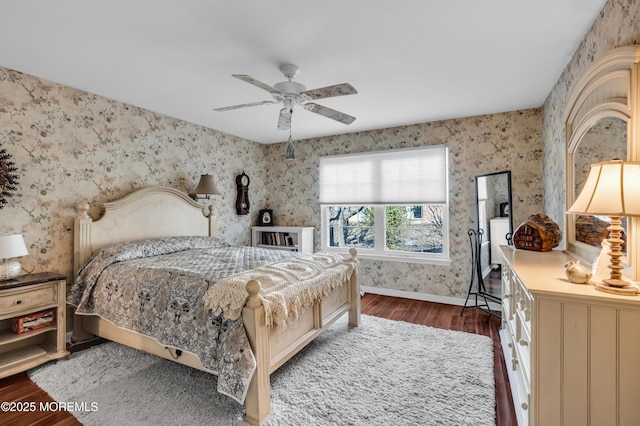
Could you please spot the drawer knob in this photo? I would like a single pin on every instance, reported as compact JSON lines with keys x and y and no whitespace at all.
{"x":18,"y":302}
{"x":524,"y":405}
{"x":523,"y":342}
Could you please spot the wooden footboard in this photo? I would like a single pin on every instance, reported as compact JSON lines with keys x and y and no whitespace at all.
{"x":273,"y":346}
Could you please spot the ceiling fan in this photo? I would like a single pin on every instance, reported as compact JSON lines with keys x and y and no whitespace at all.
{"x":292,"y":94}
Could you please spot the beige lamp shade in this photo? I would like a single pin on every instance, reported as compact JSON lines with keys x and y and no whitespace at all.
{"x":206,"y":186}
{"x":612,"y":189}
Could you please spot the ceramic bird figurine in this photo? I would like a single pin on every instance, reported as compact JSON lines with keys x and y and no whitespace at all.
{"x":577,"y":273}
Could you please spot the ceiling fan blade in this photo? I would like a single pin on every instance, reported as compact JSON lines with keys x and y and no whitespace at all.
{"x":329,"y":91}
{"x":257,"y":83}
{"x":284,"y":122}
{"x":330,"y":113}
{"x":232,"y":107}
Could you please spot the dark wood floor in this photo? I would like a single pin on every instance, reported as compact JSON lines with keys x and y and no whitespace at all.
{"x":21,"y":388}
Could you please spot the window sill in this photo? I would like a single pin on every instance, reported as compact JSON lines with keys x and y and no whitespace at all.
{"x":363,"y":254}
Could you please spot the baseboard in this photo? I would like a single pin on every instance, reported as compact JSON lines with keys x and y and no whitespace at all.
{"x":414,"y":295}
{"x":448,"y":300}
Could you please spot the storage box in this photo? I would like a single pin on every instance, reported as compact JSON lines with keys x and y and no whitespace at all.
{"x":34,"y":321}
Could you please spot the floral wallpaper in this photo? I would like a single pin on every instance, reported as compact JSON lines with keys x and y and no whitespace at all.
{"x":477,"y":145}
{"x":71,"y":146}
{"x":617,"y":25}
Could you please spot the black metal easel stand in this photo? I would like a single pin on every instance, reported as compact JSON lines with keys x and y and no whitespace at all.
{"x":478,"y":299}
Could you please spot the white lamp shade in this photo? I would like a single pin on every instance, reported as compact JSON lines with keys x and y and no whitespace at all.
{"x":612,"y":189}
{"x":12,"y":246}
{"x":206,"y":186}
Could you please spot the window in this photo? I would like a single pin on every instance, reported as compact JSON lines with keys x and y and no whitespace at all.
{"x":390,"y":204}
{"x":351,"y":226}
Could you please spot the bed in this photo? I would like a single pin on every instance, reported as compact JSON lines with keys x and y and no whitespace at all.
{"x":165,"y":214}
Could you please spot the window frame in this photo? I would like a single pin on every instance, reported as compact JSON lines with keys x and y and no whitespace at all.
{"x":380,"y":252}
{"x":416,"y":188}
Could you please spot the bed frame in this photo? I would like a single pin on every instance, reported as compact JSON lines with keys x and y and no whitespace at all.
{"x":159,"y":211}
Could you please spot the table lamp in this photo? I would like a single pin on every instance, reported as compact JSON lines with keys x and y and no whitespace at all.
{"x":11,"y":246}
{"x":612,"y":189}
{"x":206,"y":186}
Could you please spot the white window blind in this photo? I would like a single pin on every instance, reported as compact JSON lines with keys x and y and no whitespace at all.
{"x":400,"y":176}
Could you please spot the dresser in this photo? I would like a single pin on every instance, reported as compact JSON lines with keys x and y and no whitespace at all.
{"x":572,"y":352}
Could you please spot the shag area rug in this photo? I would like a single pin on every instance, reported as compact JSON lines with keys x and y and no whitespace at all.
{"x":381,"y":373}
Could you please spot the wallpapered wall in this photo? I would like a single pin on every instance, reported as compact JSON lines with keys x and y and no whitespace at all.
{"x":72,"y":146}
{"x":617,"y":25}
{"x":477,"y":145}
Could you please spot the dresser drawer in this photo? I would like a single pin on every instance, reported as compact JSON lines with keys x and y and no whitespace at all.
{"x":523,"y":403}
{"x":520,"y":383}
{"x":23,"y":300}
{"x":507,"y":293}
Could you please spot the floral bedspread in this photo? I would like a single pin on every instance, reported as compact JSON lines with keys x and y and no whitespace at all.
{"x":156,"y":288}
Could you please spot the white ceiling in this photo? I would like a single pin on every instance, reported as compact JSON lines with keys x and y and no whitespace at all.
{"x":412,"y":61}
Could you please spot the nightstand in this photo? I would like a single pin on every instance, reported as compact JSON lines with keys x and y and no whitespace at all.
{"x":29,"y":300}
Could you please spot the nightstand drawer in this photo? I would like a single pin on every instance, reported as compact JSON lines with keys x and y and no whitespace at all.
{"x":22,"y":300}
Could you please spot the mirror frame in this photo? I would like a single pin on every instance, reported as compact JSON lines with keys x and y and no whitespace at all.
{"x":609,"y":88}
{"x":507,"y":174}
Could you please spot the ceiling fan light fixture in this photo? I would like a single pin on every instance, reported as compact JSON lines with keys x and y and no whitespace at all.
{"x":289,"y":70}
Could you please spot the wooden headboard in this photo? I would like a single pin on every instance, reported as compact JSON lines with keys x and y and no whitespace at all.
{"x":150,"y":212}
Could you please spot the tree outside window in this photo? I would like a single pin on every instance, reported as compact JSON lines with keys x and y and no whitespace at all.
{"x":417,"y":228}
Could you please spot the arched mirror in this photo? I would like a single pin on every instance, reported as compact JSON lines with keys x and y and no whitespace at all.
{"x":605,"y":140}
{"x":600,"y":122}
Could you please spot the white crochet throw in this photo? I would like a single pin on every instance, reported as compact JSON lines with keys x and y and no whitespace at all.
{"x":289,"y":287}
